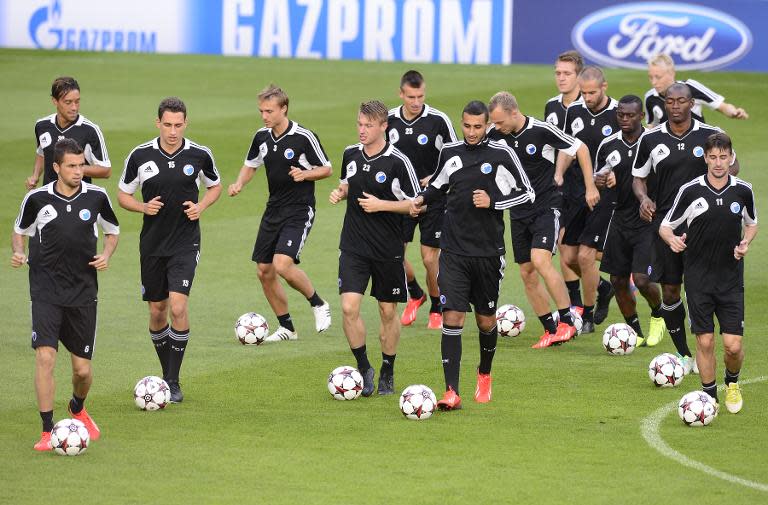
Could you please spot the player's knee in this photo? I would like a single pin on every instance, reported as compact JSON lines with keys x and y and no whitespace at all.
{"x":387,"y":311}
{"x":706,"y":343}
{"x":266,"y":272}
{"x":586,"y":257}
{"x":528,"y":274}
{"x":82,"y":372}
{"x":179,"y":310}
{"x":642,"y":282}
{"x":620,"y":283}
{"x":732,"y":348}
{"x":45,"y":357}
{"x":283,"y":264}
{"x":350,"y":310}
{"x":670,"y":293}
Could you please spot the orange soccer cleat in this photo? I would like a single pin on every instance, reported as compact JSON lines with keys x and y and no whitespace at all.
{"x":411,"y":308}
{"x":44,"y":444}
{"x":565,"y":332}
{"x":483,"y":389}
{"x":93,"y":430}
{"x":450,"y":400}
{"x":435,"y":321}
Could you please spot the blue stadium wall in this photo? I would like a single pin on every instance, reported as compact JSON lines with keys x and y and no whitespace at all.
{"x":701,"y":35}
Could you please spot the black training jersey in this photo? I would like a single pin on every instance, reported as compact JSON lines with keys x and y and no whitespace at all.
{"x":387,"y":175}
{"x":421,"y":138}
{"x":175,"y":178}
{"x":554,"y":111}
{"x":66,"y":232}
{"x":296,"y":147}
{"x":591,"y":128}
{"x":463,"y":168}
{"x":618,"y":154}
{"x":656,"y":113}
{"x":668,"y":161}
{"x":86,"y":133}
{"x":536,"y":146}
{"x":714,"y":219}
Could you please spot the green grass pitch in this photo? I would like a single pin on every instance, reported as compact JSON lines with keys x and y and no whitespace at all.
{"x":257,"y":424}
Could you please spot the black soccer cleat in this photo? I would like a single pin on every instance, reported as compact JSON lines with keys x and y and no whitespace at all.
{"x":603,"y":304}
{"x":176,"y":395}
{"x":386,"y":383}
{"x":368,"y":385}
{"x":587,"y":327}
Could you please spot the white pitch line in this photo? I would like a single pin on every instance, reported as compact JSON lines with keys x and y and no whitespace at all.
{"x":649,"y":428}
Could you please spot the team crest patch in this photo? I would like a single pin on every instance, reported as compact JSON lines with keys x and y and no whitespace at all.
{"x":381,"y":177}
{"x":607,"y":130}
{"x":189,"y":170}
{"x":698,"y":151}
{"x":735,"y":207}
{"x":34,"y":336}
{"x":85,"y":214}
{"x":442,"y":299}
{"x":649,"y":269}
{"x":289,"y":154}
{"x":530,"y":149}
{"x":422,"y":139}
{"x":486,"y":168}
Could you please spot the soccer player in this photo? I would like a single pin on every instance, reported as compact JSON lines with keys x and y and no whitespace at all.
{"x":590,"y":119}
{"x":536,"y":226}
{"x":68,"y":123}
{"x":669,"y":156}
{"x":168,"y":170}
{"x":378,"y":182}
{"x":568,"y":66}
{"x":419,"y":131}
{"x":62,"y":277}
{"x":481,"y":178}
{"x":628,"y":242}
{"x":719,"y":210}
{"x":294,"y":160}
{"x":661,"y":73}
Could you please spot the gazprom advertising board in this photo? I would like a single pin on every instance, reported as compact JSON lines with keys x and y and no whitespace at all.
{"x":702,"y":35}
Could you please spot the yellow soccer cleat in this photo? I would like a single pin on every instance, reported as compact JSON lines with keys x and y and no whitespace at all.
{"x":655,"y":332}
{"x":733,"y":399}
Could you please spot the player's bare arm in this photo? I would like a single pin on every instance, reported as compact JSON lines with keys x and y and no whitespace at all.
{"x":129,"y":202}
{"x":371,"y":204}
{"x":37,"y":171}
{"x":675,"y":242}
{"x":19,"y":256}
{"x":733,"y":112}
{"x":314,"y":174}
{"x":101,"y":261}
{"x":750,"y":231}
{"x":243,"y":178}
{"x":480,"y":199}
{"x":338,"y":194}
{"x":195,"y":210}
{"x":647,"y":207}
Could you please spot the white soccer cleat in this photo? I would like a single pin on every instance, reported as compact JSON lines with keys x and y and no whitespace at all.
{"x":281,"y":333}
{"x":322,"y":317}
{"x":689,"y":364}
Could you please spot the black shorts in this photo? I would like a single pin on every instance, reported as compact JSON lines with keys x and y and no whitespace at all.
{"x":75,"y":327}
{"x":572,"y":220}
{"x":388,"y":283}
{"x":430,"y":226}
{"x":283,"y":230}
{"x":728,"y":307}
{"x":539,"y":231}
{"x":163,"y":274}
{"x":596,"y":226}
{"x":666,"y":265}
{"x":627,"y":251}
{"x":465,"y":280}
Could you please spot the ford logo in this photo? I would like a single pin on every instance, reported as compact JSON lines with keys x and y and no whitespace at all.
{"x":629,"y":35}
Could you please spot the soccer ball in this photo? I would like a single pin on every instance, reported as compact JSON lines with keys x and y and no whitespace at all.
{"x":619,"y":339}
{"x":417,"y":402}
{"x":578,"y":322}
{"x":510,"y":320}
{"x":69,"y":437}
{"x":345,"y":383}
{"x":151,"y":393}
{"x":666,"y":370}
{"x":697,"y":408}
{"x":251,"y":329}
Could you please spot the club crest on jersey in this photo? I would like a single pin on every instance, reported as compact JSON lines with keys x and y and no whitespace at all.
{"x":188,"y":169}
{"x":698,"y":151}
{"x":289,"y":154}
{"x":422,"y":139}
{"x":85,"y":214}
{"x":381,"y":177}
{"x":486,"y":168}
{"x":607,"y":130}
{"x":735,"y":207}
{"x":442,"y":299}
{"x":530,"y":149}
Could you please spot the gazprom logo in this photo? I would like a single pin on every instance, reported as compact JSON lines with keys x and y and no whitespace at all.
{"x":47,"y":30}
{"x":629,"y":35}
